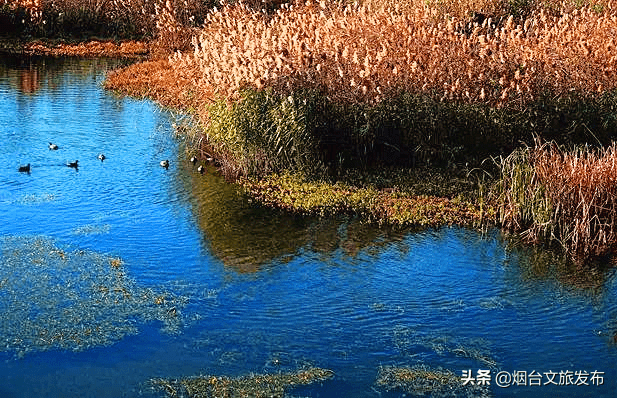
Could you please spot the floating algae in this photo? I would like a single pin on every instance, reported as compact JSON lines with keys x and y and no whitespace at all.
{"x":414,"y":342}
{"x":92,"y":229}
{"x":36,"y":198}
{"x":52,"y":298}
{"x":254,"y":386}
{"x":424,"y":381}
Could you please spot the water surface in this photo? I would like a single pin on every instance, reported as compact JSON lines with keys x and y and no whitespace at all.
{"x":122,"y":271}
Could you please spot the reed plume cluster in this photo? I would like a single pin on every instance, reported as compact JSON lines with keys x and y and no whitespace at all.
{"x":568,"y":196}
{"x":357,"y":54}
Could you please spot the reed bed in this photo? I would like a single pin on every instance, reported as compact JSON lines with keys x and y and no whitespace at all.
{"x":413,"y":81}
{"x":403,"y":84}
{"x":170,"y":22}
{"x":567,"y":196}
{"x":357,"y":54}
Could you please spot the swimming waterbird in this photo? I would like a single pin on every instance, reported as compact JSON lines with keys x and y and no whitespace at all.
{"x":165,"y":163}
{"x":101,"y":157}
{"x":73,"y":164}
{"x":201,"y":169}
{"x":24,"y":169}
{"x":52,"y":147}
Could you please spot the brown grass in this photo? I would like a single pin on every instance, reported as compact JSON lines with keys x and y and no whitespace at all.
{"x":568,"y":196}
{"x":171,"y":23}
{"x":153,"y":79}
{"x":582,"y":186}
{"x":360,"y":55}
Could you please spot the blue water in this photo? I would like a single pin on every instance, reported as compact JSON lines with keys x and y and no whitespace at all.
{"x":212,"y":284}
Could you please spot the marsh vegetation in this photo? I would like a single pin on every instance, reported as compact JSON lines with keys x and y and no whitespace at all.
{"x":322,"y":89}
{"x":248,"y":295}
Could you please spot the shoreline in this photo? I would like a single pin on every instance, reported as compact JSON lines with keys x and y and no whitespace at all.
{"x":91,"y":48}
{"x":291,"y":129}
{"x":389,"y":203}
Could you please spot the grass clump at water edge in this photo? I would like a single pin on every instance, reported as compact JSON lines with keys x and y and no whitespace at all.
{"x":551,"y":194}
{"x":262,"y":133}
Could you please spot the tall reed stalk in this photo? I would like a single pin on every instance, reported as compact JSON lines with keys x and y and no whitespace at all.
{"x":568,"y":196}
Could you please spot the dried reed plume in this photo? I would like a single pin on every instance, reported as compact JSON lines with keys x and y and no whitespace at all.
{"x":356,"y":54}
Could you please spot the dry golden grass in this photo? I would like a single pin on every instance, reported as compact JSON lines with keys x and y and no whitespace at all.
{"x":360,"y":55}
{"x":568,"y":196}
{"x":582,"y":186}
{"x":156,"y":80}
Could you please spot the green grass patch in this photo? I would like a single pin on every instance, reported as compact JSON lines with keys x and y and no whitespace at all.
{"x":297,"y":194}
{"x":304,"y":132}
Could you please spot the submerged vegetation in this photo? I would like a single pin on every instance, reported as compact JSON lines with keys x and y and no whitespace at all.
{"x":266,"y":385}
{"x":54,"y":298}
{"x":293,"y":98}
{"x":421,"y":380}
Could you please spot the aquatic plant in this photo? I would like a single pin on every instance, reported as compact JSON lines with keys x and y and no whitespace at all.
{"x":257,"y":386}
{"x":262,"y":133}
{"x":421,"y":380}
{"x":550,"y":193}
{"x":295,"y":193}
{"x":53,"y":298}
{"x":522,"y":201}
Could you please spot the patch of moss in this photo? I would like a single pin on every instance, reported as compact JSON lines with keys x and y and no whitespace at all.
{"x":295,"y":193}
